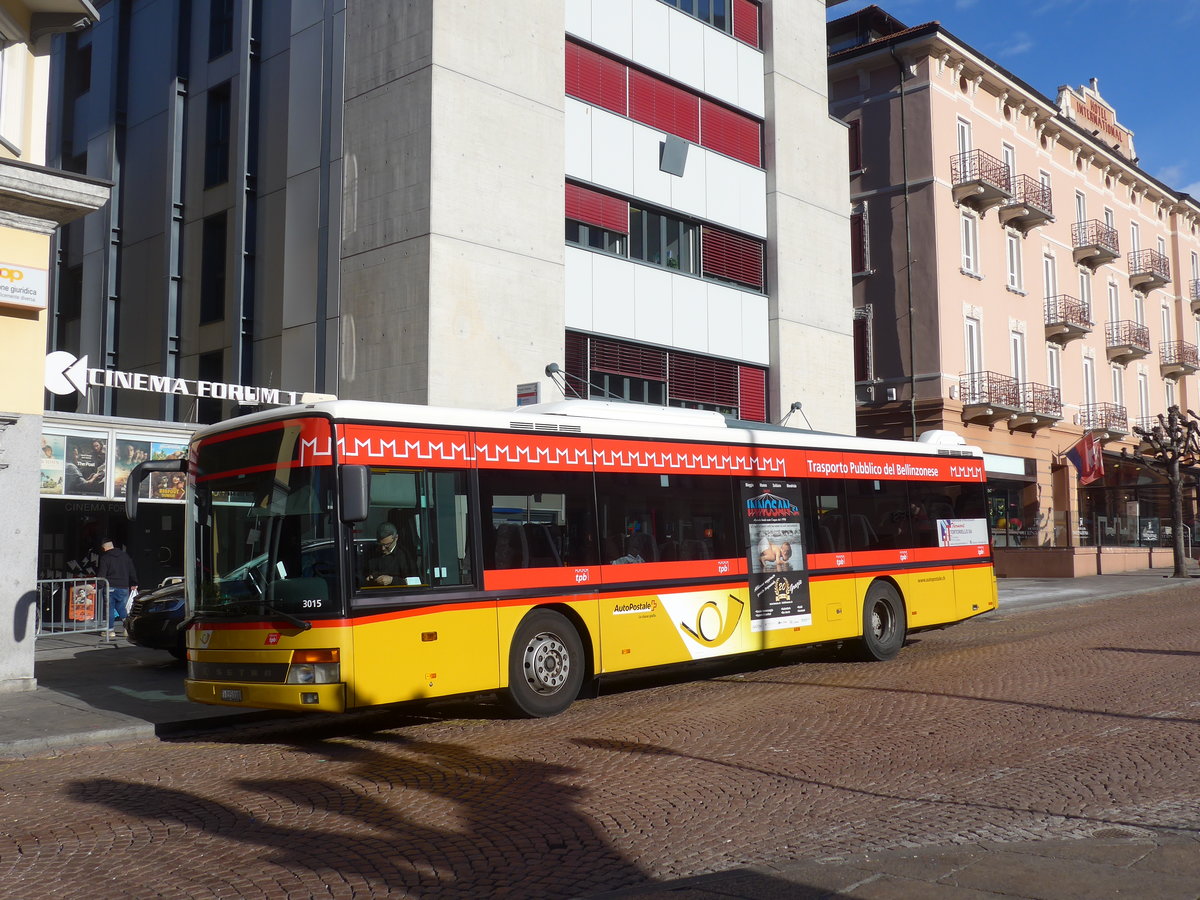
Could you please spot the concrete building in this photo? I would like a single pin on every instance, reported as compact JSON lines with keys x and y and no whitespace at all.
{"x":34,"y":201}
{"x":409,"y":201}
{"x":1019,"y":278}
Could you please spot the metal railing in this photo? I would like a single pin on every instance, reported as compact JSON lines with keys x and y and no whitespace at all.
{"x":1147,"y":423}
{"x":1150,"y":262}
{"x":1031,"y":192}
{"x":976,"y":165}
{"x":1194,"y":290}
{"x":1041,"y":399}
{"x":1068,"y":310}
{"x":991,"y":388}
{"x":72,"y":606}
{"x":1094,"y":233}
{"x":1127,"y":333}
{"x":1104,"y":417}
{"x":1178,"y":353}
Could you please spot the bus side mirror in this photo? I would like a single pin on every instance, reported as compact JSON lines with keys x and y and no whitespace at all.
{"x":356,"y":493}
{"x":134,"y":482}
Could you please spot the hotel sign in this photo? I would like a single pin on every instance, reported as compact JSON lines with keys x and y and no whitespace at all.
{"x":65,"y":373}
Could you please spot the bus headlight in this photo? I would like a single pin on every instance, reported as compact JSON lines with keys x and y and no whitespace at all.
{"x":315,"y":667}
{"x":314,"y":673}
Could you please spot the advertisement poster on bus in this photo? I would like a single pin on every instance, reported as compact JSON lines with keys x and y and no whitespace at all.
{"x":777,"y":570}
{"x":962,"y":532}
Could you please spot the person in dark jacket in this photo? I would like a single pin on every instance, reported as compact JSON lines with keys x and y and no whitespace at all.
{"x":387,"y":565}
{"x":116,"y":567}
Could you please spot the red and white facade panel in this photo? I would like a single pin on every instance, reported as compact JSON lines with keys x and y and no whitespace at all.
{"x":620,"y":155}
{"x":693,"y":54}
{"x":609,"y":295}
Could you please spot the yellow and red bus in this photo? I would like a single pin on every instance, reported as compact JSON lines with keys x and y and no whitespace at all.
{"x":541,"y":548}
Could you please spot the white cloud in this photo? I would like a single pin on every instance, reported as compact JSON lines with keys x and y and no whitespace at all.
{"x":1169,"y":174}
{"x":1193,"y":189}
{"x":1021,"y":43}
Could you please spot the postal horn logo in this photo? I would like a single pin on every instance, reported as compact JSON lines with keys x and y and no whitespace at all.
{"x":712,"y":626}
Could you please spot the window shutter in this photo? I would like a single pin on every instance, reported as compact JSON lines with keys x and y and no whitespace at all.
{"x":855,"y":136}
{"x":752,"y":394}
{"x":628,"y":359}
{"x":731,"y":133}
{"x":746,"y":23}
{"x":594,"y":208}
{"x":575,"y":365}
{"x":731,"y":256}
{"x":663,"y":106}
{"x":703,"y":380}
{"x":595,"y":78}
{"x":858,"y":242}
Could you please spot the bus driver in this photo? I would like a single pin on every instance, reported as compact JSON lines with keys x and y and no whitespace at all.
{"x":385,"y":565}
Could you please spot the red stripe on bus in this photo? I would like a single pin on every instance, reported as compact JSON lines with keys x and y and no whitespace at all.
{"x":577,"y":576}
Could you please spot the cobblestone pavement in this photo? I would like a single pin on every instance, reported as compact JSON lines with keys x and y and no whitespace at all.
{"x":1051,"y":725}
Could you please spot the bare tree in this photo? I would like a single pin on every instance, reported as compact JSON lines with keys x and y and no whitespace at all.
{"x":1171,"y":446}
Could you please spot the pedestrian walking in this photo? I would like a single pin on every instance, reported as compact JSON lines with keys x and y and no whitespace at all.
{"x":116,"y":567}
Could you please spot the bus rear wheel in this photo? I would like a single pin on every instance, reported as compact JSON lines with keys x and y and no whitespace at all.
{"x":884,"y":624}
{"x":545,"y":665}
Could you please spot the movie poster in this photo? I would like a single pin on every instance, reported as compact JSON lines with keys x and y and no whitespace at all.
{"x":129,"y":454}
{"x":167,"y":485}
{"x":777,"y":570}
{"x":53,"y":463}
{"x":86,"y":465}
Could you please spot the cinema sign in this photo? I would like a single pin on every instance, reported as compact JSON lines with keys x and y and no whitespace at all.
{"x":66,"y":373}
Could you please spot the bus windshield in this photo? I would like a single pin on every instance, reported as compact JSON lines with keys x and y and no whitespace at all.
{"x":266,"y":533}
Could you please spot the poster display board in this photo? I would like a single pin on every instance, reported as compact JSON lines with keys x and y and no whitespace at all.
{"x":779,"y":592}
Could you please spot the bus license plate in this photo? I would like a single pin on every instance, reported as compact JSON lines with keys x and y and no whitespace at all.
{"x":231,"y":694}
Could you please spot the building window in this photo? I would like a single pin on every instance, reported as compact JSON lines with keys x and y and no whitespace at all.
{"x":1114,"y":303}
{"x":1139,"y":309}
{"x":596,"y":220}
{"x":601,"y":367}
{"x":1143,"y":394}
{"x":970,"y":244}
{"x":220,"y":28}
{"x":973,"y":344}
{"x":1049,"y":276}
{"x":1135,"y":237}
{"x":1089,"y":381}
{"x":860,"y":245}
{"x":663,"y":240}
{"x":1016,"y":280}
{"x":1080,"y":207}
{"x":1118,"y":385}
{"x":739,"y":18}
{"x":212,"y":268}
{"x":855,"y":138}
{"x":1085,"y":291}
{"x":1054,"y":366}
{"x":1016,"y":349}
{"x":730,"y":257}
{"x":217,"y":136}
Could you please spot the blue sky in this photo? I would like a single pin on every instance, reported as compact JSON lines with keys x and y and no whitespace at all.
{"x":1144,"y":53}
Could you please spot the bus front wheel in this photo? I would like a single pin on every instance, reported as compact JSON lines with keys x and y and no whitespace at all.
{"x":884,"y":623}
{"x":545,"y":665}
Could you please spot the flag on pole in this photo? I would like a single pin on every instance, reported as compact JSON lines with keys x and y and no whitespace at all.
{"x":1087,"y":458}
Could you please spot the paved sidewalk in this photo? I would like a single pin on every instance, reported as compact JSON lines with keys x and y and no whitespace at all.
{"x":91,"y":692}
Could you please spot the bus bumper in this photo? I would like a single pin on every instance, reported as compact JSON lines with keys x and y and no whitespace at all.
{"x":300,"y":697}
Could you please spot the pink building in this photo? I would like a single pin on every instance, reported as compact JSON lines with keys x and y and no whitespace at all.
{"x":1020,"y":280}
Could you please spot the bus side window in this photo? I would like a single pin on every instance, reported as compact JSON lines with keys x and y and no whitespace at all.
{"x":880,"y":514}
{"x":537,"y":519}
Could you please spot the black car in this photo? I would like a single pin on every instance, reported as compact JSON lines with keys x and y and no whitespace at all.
{"x":154,"y":619}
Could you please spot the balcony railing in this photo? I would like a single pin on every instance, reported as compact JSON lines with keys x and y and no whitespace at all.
{"x":1030,"y":204}
{"x":1147,"y":423}
{"x":1094,"y":243}
{"x":1104,"y":417}
{"x":1194,"y":295}
{"x":1067,"y":318}
{"x":988,"y":396}
{"x":1041,"y":407}
{"x":1126,"y":341}
{"x":1148,"y":269}
{"x":979,"y":180}
{"x":1178,"y":358}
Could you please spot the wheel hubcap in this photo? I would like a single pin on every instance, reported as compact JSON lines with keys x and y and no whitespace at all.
{"x":547,"y":663}
{"x":881,"y":620}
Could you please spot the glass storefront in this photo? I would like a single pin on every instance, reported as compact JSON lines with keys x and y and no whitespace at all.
{"x":1130,"y":506}
{"x":86,"y":461}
